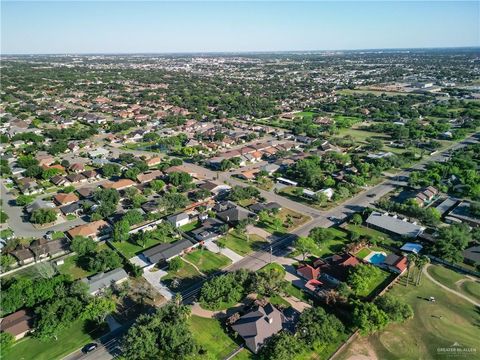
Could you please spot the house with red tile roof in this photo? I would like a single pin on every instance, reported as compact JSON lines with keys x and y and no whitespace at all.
{"x":308,"y":272}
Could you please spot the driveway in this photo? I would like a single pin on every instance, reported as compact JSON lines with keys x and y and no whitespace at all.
{"x":154,"y":279}
{"x":232,"y":255}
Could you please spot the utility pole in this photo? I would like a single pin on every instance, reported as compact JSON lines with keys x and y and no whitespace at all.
{"x":271,"y":253}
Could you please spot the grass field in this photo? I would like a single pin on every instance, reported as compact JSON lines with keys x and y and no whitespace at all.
{"x":296,"y":220}
{"x":240,"y":244}
{"x":186,"y":276}
{"x":459,"y":282}
{"x":435,"y":325}
{"x":381,"y":238}
{"x":71,"y":268}
{"x":362,"y":254}
{"x":207,"y":261}
{"x":129,"y":249}
{"x":29,"y":348}
{"x":333,"y":245}
{"x":211,"y":337}
{"x":190,"y":226}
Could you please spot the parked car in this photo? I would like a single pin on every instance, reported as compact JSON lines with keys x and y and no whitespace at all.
{"x":89,"y":347}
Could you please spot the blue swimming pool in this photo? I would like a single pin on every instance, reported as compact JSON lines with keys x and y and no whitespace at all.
{"x":377,"y":258}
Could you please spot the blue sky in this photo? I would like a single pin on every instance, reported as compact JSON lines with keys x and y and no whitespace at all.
{"x":160,"y":26}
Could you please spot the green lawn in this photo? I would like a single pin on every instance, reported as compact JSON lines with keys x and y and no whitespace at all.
{"x":240,"y":244}
{"x":296,"y":292}
{"x":129,"y":249}
{"x":212,"y":338}
{"x":362,"y":254}
{"x":381,"y":238}
{"x":58,"y":235}
{"x":190,"y":226}
{"x":435,"y":325}
{"x":186,"y":277}
{"x":333,"y":245}
{"x":71,"y":268}
{"x":68,"y":341}
{"x":374,"y":282}
{"x":207,"y":261}
{"x":456,"y":281}
{"x":290,"y":221}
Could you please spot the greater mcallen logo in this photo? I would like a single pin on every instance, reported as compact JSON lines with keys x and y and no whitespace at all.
{"x":456,"y":349}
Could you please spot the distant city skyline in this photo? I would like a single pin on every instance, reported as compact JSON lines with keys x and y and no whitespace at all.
{"x":111,"y":27}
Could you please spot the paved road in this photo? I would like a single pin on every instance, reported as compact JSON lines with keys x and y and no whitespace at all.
{"x":18,"y":221}
{"x":282,"y":246}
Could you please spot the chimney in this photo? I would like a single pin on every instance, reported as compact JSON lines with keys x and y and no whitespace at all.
{"x":270,"y":320}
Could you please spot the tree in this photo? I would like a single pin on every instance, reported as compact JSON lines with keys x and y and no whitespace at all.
{"x":357,"y":219}
{"x":411,"y":259}
{"x":83,"y":245}
{"x":175,"y":264}
{"x":104,"y":260}
{"x":3,"y":217}
{"x":420,"y":264}
{"x":163,"y":335}
{"x":110,"y":170}
{"x":121,"y":230}
{"x":6,"y":341}
{"x":306,"y":245}
{"x":369,"y":318}
{"x":43,"y":216}
{"x":98,"y":308}
{"x":157,"y":185}
{"x":23,"y":200}
{"x":395,"y":308}
{"x":46,"y":270}
{"x":6,"y":261}
{"x":224,"y":289}
{"x":179,"y":178}
{"x":132,"y":217}
{"x":281,"y":346}
{"x":452,"y":240}
{"x":320,"y":235}
{"x":315,"y":325}
{"x":361,"y":276}
{"x":269,"y":281}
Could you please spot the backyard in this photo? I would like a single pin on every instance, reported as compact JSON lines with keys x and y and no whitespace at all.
{"x":183,"y":278}
{"x":448,"y":320}
{"x":130,"y":249}
{"x":240,"y":244}
{"x":376,"y":236}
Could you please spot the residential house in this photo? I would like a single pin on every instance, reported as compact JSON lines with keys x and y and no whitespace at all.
{"x":209,"y":230}
{"x":462,"y":213}
{"x":95,"y":230}
{"x":214,"y":187}
{"x":308,"y":272}
{"x":85,"y":192}
{"x":179,"y":220}
{"x":471,"y":255}
{"x":165,"y":252}
{"x":235,"y":214}
{"x":39,"y":204}
{"x":23,"y":255}
{"x":65,"y":199}
{"x":77,"y":167}
{"x":148,"y":176}
{"x":58,"y":180}
{"x":28,"y":186}
{"x":153,"y":161}
{"x":335,"y":269}
{"x":76,"y":178}
{"x":257,"y":326}
{"x":119,"y":184}
{"x":393,"y":225}
{"x":91,"y":175}
{"x":18,"y":324}
{"x":71,"y":209}
{"x":101,"y":281}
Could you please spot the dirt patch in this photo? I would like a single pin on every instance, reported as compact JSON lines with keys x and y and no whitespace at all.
{"x":361,"y":349}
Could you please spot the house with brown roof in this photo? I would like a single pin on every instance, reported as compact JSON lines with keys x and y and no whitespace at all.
{"x":65,"y":199}
{"x":95,"y":230}
{"x":119,"y":184}
{"x":77,"y":167}
{"x":76,"y":178}
{"x":18,"y":324}
{"x":153,"y":161}
{"x":148,"y":176}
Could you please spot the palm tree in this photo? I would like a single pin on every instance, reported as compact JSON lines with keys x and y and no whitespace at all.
{"x":420,"y":264}
{"x":411,"y":262}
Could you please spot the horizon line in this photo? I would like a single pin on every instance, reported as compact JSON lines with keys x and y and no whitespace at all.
{"x":241,"y":51}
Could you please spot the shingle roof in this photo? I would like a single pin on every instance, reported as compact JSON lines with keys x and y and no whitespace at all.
{"x":164,"y":252}
{"x":103,"y":280}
